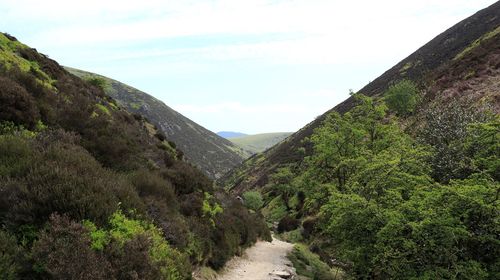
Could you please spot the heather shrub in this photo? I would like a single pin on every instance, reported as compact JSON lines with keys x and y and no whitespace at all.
{"x":63,"y":252}
{"x":16,"y":104}
{"x":187,"y":179}
{"x":63,"y":178}
{"x":16,"y":155}
{"x":288,"y":223}
{"x":149,"y":183}
{"x":132,"y":259}
{"x":11,"y":257}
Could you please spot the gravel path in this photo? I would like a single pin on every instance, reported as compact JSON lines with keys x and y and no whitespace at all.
{"x":259,"y":262}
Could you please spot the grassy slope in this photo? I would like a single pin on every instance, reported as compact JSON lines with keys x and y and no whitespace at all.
{"x":260,"y":142}
{"x":446,"y":64}
{"x":211,"y":153}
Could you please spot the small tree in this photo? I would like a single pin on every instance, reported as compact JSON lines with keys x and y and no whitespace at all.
{"x":253,"y":200}
{"x":98,"y":82}
{"x":402,"y":97}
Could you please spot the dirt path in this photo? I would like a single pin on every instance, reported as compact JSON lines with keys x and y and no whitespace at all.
{"x":258,"y":262}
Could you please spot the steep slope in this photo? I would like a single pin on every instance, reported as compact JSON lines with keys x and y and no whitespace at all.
{"x":91,"y":191}
{"x":213,"y":154}
{"x":259,"y":142}
{"x":464,"y":57}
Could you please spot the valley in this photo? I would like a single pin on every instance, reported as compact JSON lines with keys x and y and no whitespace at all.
{"x":258,"y":143}
{"x":100,"y":180}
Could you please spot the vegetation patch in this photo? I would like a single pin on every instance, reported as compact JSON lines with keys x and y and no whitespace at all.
{"x":477,"y":43}
{"x":310,"y":265}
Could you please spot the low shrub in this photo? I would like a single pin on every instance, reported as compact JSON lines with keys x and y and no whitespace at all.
{"x":253,"y":200}
{"x":310,"y":265}
{"x":11,"y":257}
{"x":288,"y":223}
{"x":63,"y":251}
{"x":16,"y":104}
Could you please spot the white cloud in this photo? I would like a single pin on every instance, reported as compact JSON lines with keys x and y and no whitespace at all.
{"x":322,"y":32}
{"x":330,"y":31}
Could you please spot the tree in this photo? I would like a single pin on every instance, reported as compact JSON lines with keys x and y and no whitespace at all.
{"x":402,"y":97}
{"x":253,"y":200}
{"x":446,"y":129}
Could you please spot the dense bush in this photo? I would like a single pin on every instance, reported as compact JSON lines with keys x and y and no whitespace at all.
{"x":402,"y":97}
{"x":288,"y":223}
{"x":16,"y":104}
{"x":310,"y":265}
{"x":149,"y":183}
{"x":448,"y":130}
{"x":253,"y":200}
{"x":187,"y":179}
{"x":63,"y":251}
{"x":62,"y":178}
{"x":11,"y":257}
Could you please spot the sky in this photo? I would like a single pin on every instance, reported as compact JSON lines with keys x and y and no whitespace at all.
{"x":251,"y":66}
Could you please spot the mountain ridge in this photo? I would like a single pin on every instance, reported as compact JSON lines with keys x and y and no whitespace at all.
{"x":211,"y":153}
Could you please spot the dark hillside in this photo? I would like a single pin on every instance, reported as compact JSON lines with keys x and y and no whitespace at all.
{"x":435,"y":66}
{"x":91,"y":191}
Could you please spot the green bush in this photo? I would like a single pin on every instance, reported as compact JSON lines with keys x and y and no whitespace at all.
{"x":308,"y":264}
{"x":253,"y":200}
{"x":275,"y":210}
{"x":124,"y":235}
{"x":11,"y":257}
{"x":402,"y":97}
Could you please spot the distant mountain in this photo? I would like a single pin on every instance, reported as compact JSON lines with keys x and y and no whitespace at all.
{"x":213,"y":154}
{"x":259,"y":142}
{"x":230,"y":134}
{"x":462,"y":61}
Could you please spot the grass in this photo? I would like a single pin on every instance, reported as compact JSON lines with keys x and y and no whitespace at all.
{"x":259,"y":142}
{"x":478,"y":42}
{"x":103,"y":109}
{"x":405,"y":67}
{"x":9,"y":57}
{"x":293,"y":236}
{"x":206,"y":273}
{"x":311,"y":266}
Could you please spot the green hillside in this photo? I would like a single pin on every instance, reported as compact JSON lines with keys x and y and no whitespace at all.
{"x":213,"y":154}
{"x":401,"y":180}
{"x":259,"y":142}
{"x":91,"y":191}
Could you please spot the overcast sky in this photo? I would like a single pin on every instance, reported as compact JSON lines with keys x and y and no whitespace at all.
{"x":250,"y":66}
